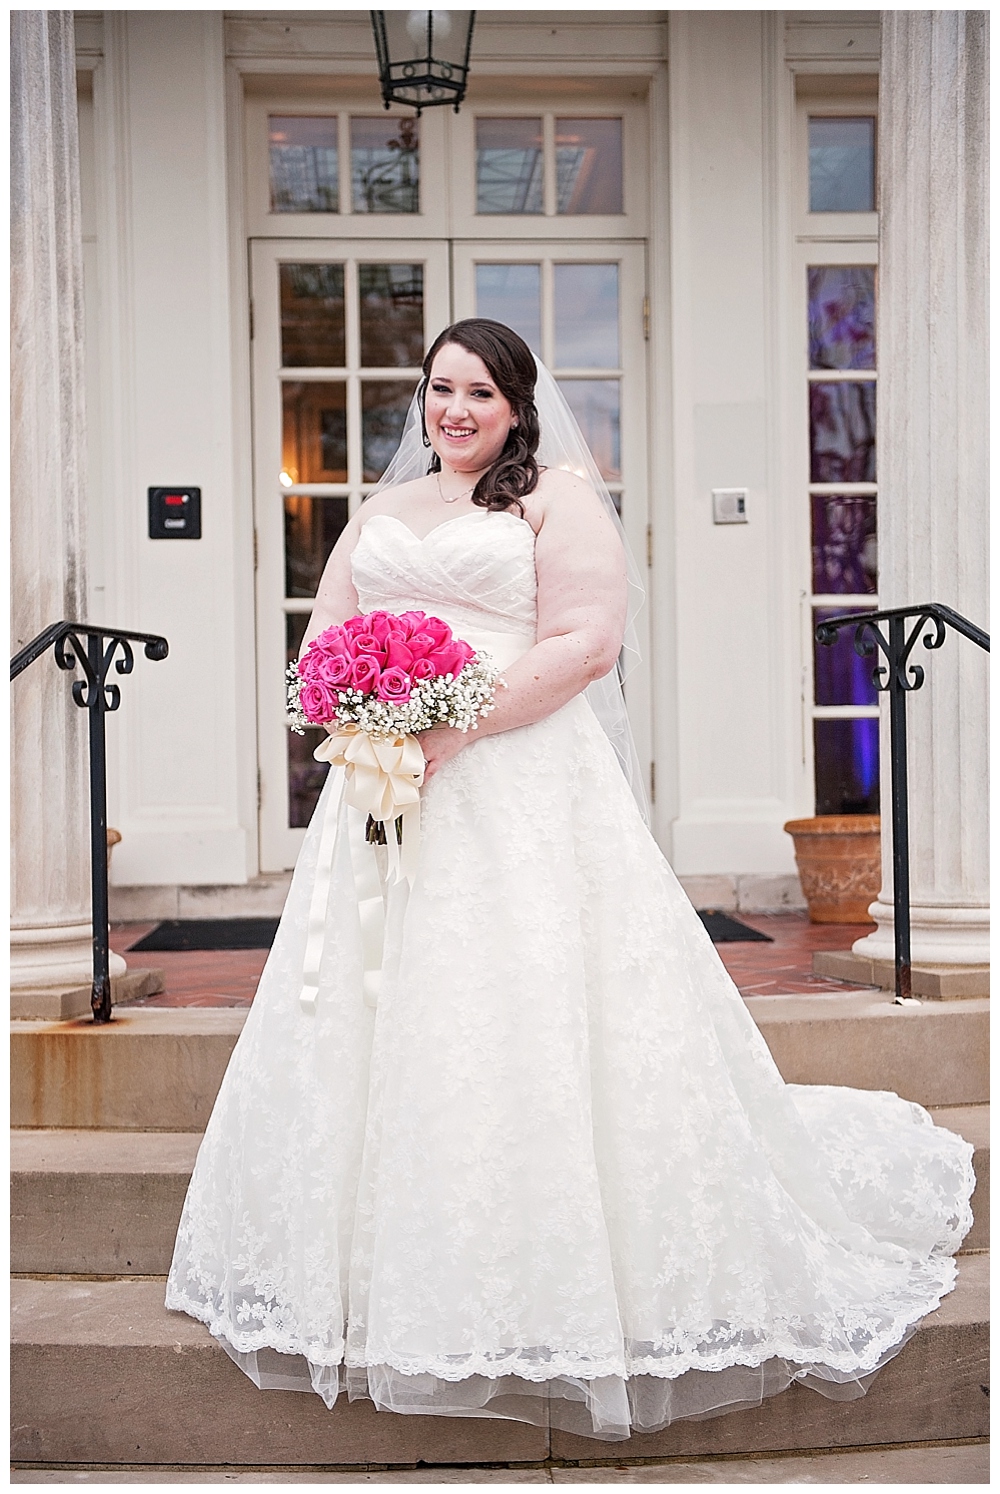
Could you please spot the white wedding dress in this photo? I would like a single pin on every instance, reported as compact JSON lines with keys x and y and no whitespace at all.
{"x":553,"y":1174}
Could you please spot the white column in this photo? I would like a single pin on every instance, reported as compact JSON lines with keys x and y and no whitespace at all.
{"x":50,"y":880}
{"x":932,"y":445}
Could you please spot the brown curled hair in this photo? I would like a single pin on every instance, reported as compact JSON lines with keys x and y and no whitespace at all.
{"x":511,"y":366}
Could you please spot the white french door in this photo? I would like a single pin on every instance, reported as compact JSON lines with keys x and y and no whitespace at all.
{"x":340,"y":332}
{"x":579,"y":304}
{"x":340,"y":329}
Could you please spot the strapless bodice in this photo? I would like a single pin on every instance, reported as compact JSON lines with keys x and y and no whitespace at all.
{"x":476,"y":572}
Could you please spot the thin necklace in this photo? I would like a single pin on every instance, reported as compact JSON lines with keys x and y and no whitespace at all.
{"x":457,"y":495}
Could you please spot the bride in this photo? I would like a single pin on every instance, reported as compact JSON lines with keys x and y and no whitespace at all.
{"x":524,"y":1153}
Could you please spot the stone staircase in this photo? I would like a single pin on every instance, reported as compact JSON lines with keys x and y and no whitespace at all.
{"x":107,"y":1123}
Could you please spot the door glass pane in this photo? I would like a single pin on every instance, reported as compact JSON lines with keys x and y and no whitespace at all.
{"x":512,"y":294}
{"x":509,"y":166}
{"x":313,"y":432}
{"x":846,"y":766}
{"x":842,"y":165}
{"x":385,"y":165}
{"x":586,"y":316}
{"x":305,"y":775}
{"x":303,"y":162}
{"x":588,"y":165}
{"x":312,"y":528}
{"x":842,"y":316}
{"x":384,"y":404}
{"x":595,"y":403}
{"x":842,"y":676}
{"x":312,"y":316}
{"x":392,"y":315}
{"x":844,"y":546}
{"x":842,"y":432}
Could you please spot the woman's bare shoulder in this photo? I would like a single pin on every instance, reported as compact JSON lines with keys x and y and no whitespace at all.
{"x":395,"y":499}
{"x":559,"y":491}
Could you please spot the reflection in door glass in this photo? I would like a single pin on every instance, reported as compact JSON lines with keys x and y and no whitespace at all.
{"x":846,"y":766}
{"x":385,"y":165}
{"x":384,"y":404}
{"x":595,"y":403}
{"x":844,"y":544}
{"x":303,"y":161}
{"x":312,"y":316}
{"x":508,"y":165}
{"x":588,"y":165}
{"x":312,"y":528}
{"x":512,"y":294}
{"x":313,"y":432}
{"x":842,"y":165}
{"x":392,"y":315}
{"x":586,"y":315}
{"x":842,"y":316}
{"x":842,"y":432}
{"x":305,"y":775}
{"x":840,"y":675}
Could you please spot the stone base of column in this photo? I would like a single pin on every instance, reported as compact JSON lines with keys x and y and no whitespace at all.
{"x":55,"y":955}
{"x":65,"y":1003}
{"x":929,"y":982}
{"x":939,"y":935}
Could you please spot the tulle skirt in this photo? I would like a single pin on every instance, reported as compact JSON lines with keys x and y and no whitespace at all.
{"x":553,"y":1174}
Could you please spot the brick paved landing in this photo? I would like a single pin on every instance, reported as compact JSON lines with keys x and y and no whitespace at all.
{"x":228,"y":977}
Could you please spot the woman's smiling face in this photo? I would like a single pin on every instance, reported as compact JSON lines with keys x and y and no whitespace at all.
{"x":467,"y":417}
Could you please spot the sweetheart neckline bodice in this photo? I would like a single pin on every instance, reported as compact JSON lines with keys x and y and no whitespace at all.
{"x":455,"y":519}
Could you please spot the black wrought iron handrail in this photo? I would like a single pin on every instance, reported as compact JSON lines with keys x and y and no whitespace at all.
{"x":94,"y":649}
{"x":899,"y":676}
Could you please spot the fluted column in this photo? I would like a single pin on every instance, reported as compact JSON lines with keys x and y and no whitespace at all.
{"x":932,"y":444}
{"x":50,"y":880}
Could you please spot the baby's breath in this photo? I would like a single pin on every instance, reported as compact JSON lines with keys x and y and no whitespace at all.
{"x":446,"y":700}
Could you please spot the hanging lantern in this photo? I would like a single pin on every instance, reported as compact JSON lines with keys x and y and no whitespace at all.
{"x":423,"y":55}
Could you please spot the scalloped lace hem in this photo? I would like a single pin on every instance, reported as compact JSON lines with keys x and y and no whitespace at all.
{"x":607,"y":1399}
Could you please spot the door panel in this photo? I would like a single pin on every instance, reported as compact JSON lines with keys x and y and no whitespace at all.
{"x":579,"y":306}
{"x":340,"y":329}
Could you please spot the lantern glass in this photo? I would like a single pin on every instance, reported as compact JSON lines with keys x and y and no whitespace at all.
{"x":423,"y":55}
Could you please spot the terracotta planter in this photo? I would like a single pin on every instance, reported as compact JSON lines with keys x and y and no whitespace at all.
{"x":840,"y":865}
{"x":114,"y":836}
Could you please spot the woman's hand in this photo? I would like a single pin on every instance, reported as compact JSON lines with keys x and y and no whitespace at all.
{"x":440,"y":745}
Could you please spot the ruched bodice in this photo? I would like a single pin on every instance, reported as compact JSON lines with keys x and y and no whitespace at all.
{"x":476,"y":571}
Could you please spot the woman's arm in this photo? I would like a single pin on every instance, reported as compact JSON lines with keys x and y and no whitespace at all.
{"x":582,"y":594}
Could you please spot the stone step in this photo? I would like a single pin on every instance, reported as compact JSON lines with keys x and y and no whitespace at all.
{"x":964,"y":1463}
{"x":160,"y":1069}
{"x":102,"y":1374}
{"x":107,"y":1203}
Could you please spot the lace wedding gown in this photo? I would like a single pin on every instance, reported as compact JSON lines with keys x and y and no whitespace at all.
{"x":553,"y":1174}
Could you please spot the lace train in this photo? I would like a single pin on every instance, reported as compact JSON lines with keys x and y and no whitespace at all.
{"x":555,"y":1175}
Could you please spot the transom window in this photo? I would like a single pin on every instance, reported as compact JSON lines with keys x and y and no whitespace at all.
{"x":548,"y":165}
{"x":842,"y":164}
{"x":307,"y":173}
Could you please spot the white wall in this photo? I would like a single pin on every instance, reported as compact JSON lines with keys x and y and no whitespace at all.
{"x":737,"y":633}
{"x":183,"y":751}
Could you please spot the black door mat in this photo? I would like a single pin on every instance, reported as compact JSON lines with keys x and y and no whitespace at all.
{"x":725,"y":930}
{"x":209,"y":933}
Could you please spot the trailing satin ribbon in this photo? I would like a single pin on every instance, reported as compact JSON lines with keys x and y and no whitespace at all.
{"x":381,"y":779}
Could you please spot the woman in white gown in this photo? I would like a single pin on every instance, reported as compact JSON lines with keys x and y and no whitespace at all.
{"x":552,"y":1172}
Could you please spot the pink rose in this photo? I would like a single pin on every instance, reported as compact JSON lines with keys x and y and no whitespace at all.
{"x":355,"y":625}
{"x":319,"y":704}
{"x":397,"y":654}
{"x":331,"y":639}
{"x":411,"y":622}
{"x":365,"y":674}
{"x":421,"y":644}
{"x":333,"y":669}
{"x":438,"y":630}
{"x":309,"y":665}
{"x":422,"y":669}
{"x":379,"y":624}
{"x":394,"y":685}
{"x":366,"y":643}
{"x":450,"y":658}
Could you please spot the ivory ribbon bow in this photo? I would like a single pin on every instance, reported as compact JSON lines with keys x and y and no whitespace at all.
{"x":381,"y":777}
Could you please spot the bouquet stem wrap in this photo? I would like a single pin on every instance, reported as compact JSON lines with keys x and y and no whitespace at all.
{"x":382,"y":778}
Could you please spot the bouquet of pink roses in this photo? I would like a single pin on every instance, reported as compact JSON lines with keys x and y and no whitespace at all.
{"x":374,"y":682}
{"x":390,"y":675}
